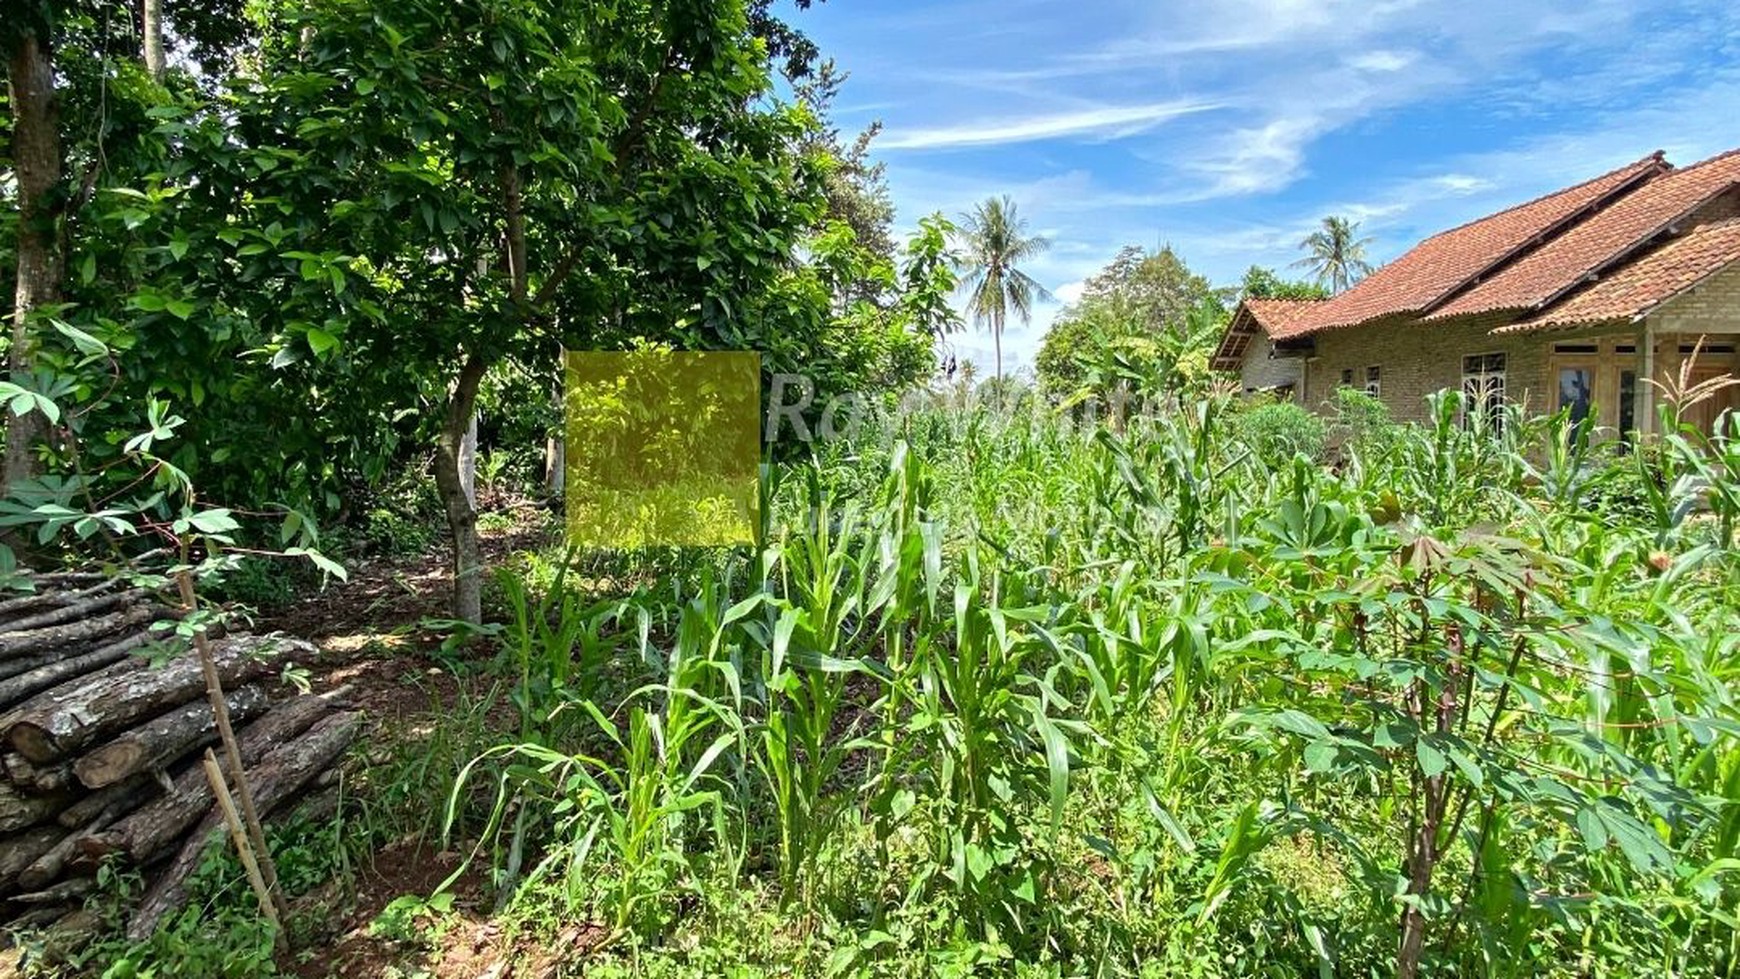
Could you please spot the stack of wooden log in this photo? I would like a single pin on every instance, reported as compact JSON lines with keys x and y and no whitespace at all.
{"x":103,"y":723}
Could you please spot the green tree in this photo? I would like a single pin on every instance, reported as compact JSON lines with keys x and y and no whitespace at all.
{"x":1139,"y":306}
{"x":1262,"y":283}
{"x":855,"y":185}
{"x":994,"y":242}
{"x":530,"y":175}
{"x":1335,"y":254}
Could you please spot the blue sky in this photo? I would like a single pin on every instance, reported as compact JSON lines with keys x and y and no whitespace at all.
{"x":1227,"y":128}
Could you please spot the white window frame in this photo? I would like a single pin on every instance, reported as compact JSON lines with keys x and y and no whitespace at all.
{"x":1484,"y":389}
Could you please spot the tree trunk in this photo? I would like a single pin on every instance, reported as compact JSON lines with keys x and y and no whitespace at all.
{"x":36,"y":160}
{"x":20,"y":851}
{"x":48,"y":672}
{"x":164,"y":739}
{"x":461,"y":513}
{"x":468,"y":462}
{"x":59,"y":637}
{"x":155,"y":827}
{"x":154,"y":39}
{"x":21,"y":810}
{"x":56,"y":727}
{"x":277,"y":778}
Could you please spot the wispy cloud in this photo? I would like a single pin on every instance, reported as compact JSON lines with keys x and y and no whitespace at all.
{"x":1103,"y":122}
{"x":1404,"y":114}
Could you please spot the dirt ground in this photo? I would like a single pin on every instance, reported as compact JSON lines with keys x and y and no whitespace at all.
{"x":373,"y":639}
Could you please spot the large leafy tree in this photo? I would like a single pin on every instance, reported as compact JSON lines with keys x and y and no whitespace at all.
{"x":462,"y":183}
{"x":1141,"y":309}
{"x":994,"y":244}
{"x":1335,"y":254}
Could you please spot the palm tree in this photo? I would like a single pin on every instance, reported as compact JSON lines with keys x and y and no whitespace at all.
{"x":993,"y":242}
{"x":1334,"y":255}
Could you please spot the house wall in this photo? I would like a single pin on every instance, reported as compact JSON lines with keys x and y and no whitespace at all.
{"x":1712,"y":306}
{"x":1260,"y":371}
{"x":1417,"y":359}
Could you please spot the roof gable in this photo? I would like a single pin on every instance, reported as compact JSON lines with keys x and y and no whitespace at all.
{"x":1253,"y":317}
{"x":1647,"y":283}
{"x":1606,"y":238}
{"x":1448,"y":262}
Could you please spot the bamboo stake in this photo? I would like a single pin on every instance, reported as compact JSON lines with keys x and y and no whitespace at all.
{"x":220,"y":710}
{"x":239,"y":835}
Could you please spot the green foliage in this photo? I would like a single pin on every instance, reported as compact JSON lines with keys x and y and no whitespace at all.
{"x":1278,"y":430}
{"x":1142,"y":329}
{"x":1335,"y":254}
{"x":1262,"y":283}
{"x":1175,"y":698}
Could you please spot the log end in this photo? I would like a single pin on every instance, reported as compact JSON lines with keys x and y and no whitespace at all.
{"x":34,"y":743}
{"x":109,"y":764}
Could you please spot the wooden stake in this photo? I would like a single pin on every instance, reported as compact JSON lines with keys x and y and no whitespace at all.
{"x":239,"y":835}
{"x":220,"y":710}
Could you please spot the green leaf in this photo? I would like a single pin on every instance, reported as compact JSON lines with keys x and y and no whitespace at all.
{"x":181,"y":309}
{"x":1320,"y":756}
{"x":216,"y":521}
{"x":85,"y":343}
{"x":364,"y":86}
{"x":320,"y":341}
{"x":320,"y":561}
{"x":1432,"y":761}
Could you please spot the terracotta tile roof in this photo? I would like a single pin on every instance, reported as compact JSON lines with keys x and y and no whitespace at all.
{"x":1447,"y":262}
{"x":1267,"y":316}
{"x":1635,"y":289}
{"x":1605,"y":238}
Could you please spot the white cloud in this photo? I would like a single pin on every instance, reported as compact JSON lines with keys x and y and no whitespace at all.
{"x":1382,"y":62}
{"x":1109,"y":121}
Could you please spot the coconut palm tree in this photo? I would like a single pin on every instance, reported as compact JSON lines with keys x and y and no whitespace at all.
{"x":993,"y":243}
{"x":1335,"y":254}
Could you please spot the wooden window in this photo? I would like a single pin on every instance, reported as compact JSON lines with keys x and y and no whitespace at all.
{"x":1373,"y":382}
{"x":1483,"y":390}
{"x":1347,"y":378}
{"x":1627,"y":404}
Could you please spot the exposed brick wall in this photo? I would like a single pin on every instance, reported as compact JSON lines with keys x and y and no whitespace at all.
{"x":1722,"y":208}
{"x":1417,"y":359}
{"x":1259,"y":370}
{"x":1711,"y":306}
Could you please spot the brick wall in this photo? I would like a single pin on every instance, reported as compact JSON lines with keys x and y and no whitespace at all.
{"x":1711,"y":306}
{"x":1416,"y":359}
{"x":1260,"y":371}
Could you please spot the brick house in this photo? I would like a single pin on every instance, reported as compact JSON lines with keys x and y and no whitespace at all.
{"x":1564,"y":301}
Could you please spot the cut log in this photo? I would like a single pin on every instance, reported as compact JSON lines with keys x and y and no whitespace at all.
{"x":130,"y":794}
{"x":65,"y":723}
{"x":29,"y":777}
{"x":48,"y":867}
{"x":52,"y":595}
{"x":10,"y":668}
{"x":83,"y":606}
{"x":65,"y":892}
{"x":21,"y":850}
{"x":277,"y":778}
{"x":162,"y":740}
{"x":155,"y":827}
{"x":58,"y":668}
{"x":21,"y":810}
{"x":14,"y":644}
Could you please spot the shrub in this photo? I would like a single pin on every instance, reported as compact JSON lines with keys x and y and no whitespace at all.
{"x":1362,"y":423}
{"x":1278,"y":430}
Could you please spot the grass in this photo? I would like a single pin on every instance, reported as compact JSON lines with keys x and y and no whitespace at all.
{"x":998,"y":697}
